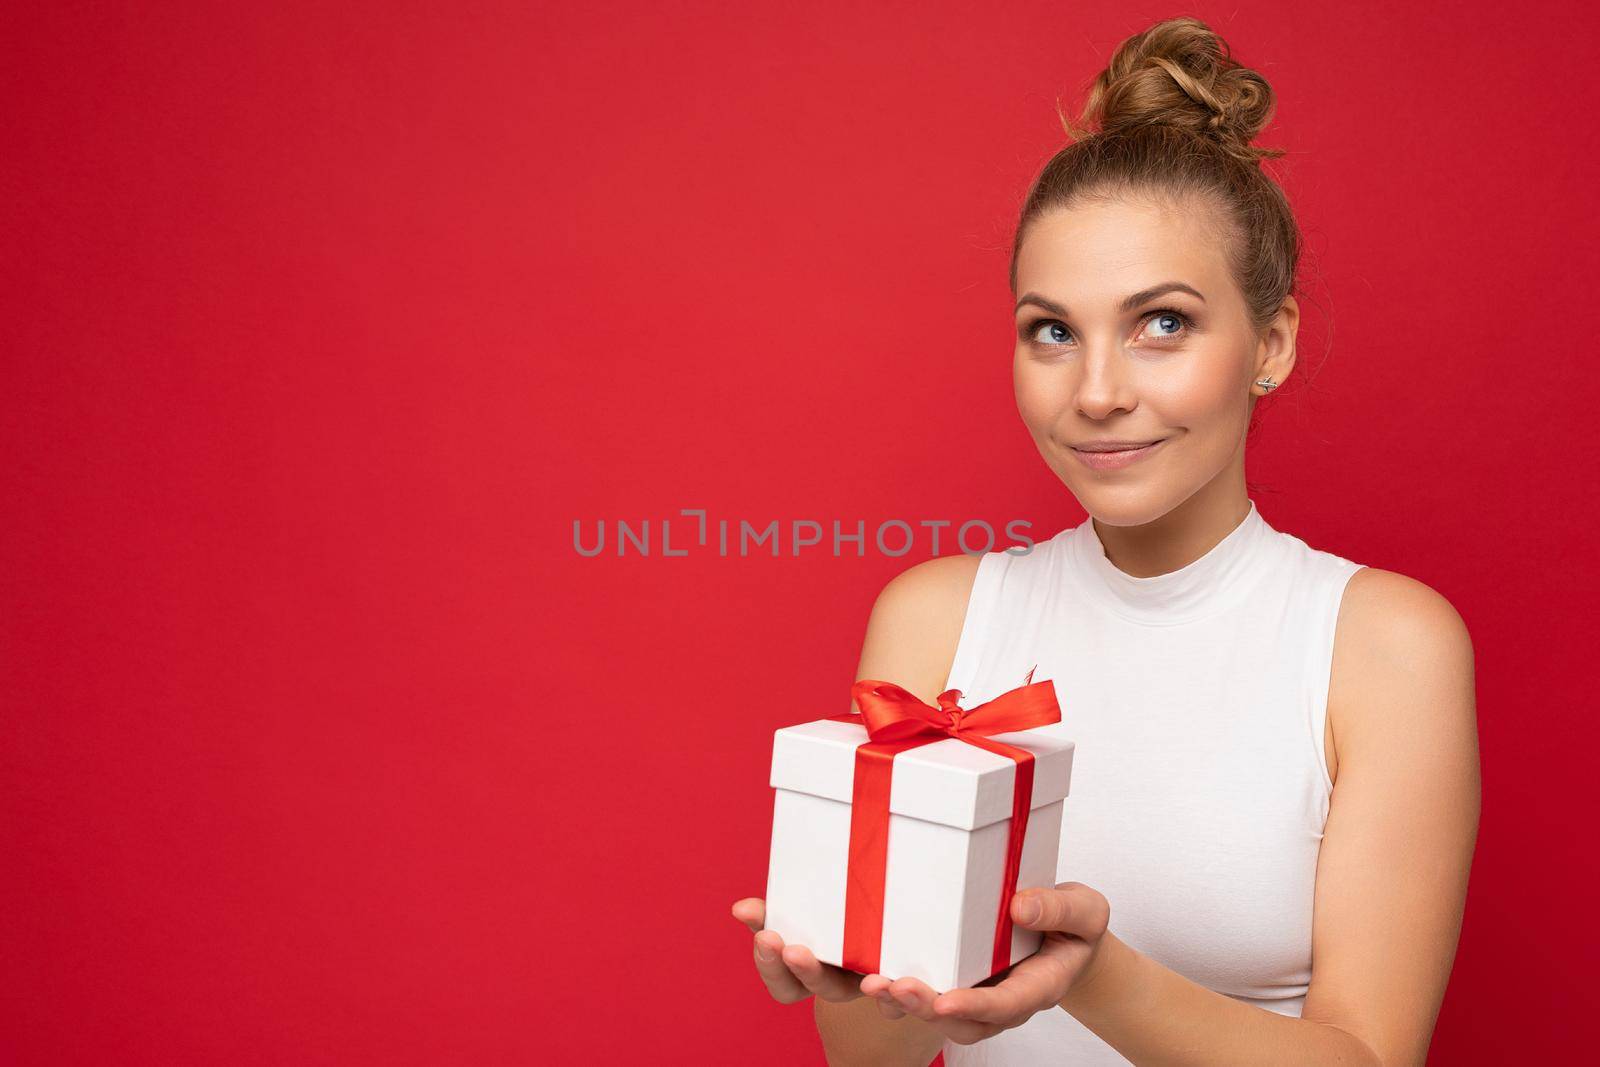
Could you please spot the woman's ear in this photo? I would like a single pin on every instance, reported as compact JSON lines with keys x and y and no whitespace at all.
{"x":1275,"y":353}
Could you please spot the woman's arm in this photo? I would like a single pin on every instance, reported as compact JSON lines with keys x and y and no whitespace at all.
{"x":911,"y":640}
{"x":1155,"y":1016}
{"x":1391,"y":876}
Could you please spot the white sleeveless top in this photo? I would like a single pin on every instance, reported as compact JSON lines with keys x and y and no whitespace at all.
{"x":1199,"y":785}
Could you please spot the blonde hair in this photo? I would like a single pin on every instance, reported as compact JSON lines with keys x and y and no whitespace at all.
{"x":1172,"y":118}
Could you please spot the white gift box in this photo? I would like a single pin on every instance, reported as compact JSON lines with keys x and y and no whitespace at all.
{"x":950,"y":809}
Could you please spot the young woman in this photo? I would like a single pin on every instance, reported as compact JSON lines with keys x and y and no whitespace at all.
{"x":1276,"y":801}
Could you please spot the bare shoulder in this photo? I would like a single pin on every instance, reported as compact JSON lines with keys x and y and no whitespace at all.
{"x":916,"y":623}
{"x":941,"y":580}
{"x":1402,"y":824}
{"x":1387,"y":617}
{"x":1401,"y":653}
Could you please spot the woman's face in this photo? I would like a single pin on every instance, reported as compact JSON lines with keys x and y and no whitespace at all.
{"x":1107,"y":353}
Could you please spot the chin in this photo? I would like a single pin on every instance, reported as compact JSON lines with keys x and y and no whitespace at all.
{"x":1131,"y":504}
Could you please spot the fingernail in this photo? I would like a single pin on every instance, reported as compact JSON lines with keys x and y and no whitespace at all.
{"x":766,"y":954}
{"x":1029,"y":910}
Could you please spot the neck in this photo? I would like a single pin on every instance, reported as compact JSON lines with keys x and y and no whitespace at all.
{"x":1179,"y":537}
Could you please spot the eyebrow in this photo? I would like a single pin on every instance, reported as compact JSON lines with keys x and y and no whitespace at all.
{"x":1128,"y":303}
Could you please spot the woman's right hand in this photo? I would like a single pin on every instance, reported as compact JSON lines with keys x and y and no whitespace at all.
{"x":791,"y":972}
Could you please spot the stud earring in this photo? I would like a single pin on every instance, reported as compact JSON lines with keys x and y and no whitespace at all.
{"x":1267,"y":383}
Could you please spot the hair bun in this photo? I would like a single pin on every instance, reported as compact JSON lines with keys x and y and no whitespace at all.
{"x":1180,"y":73}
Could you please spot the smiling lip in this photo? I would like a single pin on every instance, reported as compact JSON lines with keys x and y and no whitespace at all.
{"x":1111,"y":455}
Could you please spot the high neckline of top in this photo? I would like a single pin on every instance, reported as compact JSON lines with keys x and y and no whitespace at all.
{"x":1215,"y":581}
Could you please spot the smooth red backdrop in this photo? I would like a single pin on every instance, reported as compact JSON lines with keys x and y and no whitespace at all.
{"x":324,"y":322}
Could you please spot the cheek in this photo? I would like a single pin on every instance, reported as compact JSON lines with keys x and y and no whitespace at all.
{"x":1200,"y":395}
{"x":1040,"y":395}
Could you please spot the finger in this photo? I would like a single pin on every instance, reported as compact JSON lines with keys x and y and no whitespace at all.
{"x":1071,"y":908}
{"x":826,"y":981}
{"x":965,"y":1031}
{"x":876,"y":986}
{"x":873,"y":984}
{"x":1034,"y":985}
{"x":780,"y":981}
{"x":887,"y":1006}
{"x":752,"y":911}
{"x":915,"y":997}
{"x":956,"y":1028}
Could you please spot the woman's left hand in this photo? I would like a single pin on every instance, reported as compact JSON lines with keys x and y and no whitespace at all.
{"x":1073,"y":918}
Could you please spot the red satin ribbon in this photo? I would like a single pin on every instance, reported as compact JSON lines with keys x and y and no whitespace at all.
{"x":896,"y":721}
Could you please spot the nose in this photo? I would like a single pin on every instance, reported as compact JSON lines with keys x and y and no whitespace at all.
{"x":1104,"y":387}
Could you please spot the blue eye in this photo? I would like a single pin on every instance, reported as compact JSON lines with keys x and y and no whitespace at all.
{"x":1164,"y":318}
{"x":1056,"y":329}
{"x":1172,"y":324}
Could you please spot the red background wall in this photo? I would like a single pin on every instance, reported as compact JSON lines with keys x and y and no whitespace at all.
{"x":322,"y":324}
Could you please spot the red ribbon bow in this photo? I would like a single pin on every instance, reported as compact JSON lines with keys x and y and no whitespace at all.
{"x":896,"y":721}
